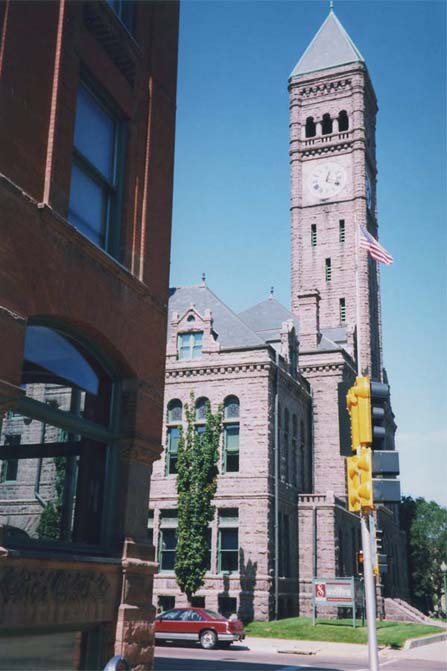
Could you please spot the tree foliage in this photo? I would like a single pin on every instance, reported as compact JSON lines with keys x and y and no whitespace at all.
{"x":426,"y":525}
{"x":196,"y":486}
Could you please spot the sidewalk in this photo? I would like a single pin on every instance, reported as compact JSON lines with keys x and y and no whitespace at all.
{"x":433,"y":650}
{"x":310,"y":648}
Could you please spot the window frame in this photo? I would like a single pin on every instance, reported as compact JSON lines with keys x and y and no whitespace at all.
{"x":228,"y":424}
{"x":74,"y":424}
{"x":191,"y":346}
{"x":112,"y":218}
{"x":171,"y":426}
{"x":232,"y":525}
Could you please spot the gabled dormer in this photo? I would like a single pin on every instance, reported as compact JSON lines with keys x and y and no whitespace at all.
{"x":192,"y":336}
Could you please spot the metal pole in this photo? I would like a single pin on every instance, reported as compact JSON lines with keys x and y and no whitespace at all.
{"x":370,"y":595}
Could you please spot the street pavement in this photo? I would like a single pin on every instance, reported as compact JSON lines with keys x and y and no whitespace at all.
{"x":257,"y":654}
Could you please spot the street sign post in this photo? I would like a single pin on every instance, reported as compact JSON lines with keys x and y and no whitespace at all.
{"x":339,"y":592}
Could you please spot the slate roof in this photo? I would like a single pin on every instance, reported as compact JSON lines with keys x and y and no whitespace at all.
{"x":330,"y":47}
{"x":332,"y":338}
{"x":231,"y":331}
{"x":265,"y":318}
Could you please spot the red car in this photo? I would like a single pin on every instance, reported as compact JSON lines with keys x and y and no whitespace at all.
{"x":198,"y":624}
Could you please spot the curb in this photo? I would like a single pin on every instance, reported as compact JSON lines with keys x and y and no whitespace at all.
{"x":426,"y":640}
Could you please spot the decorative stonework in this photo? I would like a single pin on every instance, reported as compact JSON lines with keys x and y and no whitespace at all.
{"x":327,"y":87}
{"x":30,"y":587}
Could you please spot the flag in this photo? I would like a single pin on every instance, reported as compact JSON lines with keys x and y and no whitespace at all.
{"x":375,"y":249}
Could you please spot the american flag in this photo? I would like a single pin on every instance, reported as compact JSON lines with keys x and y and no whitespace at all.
{"x":378,"y":253}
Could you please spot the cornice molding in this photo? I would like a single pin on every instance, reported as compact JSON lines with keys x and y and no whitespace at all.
{"x":217,"y":370}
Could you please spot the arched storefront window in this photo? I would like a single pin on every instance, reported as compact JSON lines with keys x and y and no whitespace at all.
{"x":56,"y":454}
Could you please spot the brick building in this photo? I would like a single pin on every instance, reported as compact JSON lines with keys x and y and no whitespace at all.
{"x":281,"y":514}
{"x":87,"y":117}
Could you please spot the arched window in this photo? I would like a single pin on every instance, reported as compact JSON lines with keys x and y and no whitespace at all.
{"x":311,"y":129}
{"x":175,"y":410}
{"x":59,"y":441}
{"x":231,"y":429}
{"x":201,"y":407}
{"x":327,"y":124}
{"x":343,"y":121}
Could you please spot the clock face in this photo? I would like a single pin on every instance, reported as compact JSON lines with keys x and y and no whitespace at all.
{"x":326,"y":180}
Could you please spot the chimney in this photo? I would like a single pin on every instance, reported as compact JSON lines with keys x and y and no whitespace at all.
{"x":309,"y":316}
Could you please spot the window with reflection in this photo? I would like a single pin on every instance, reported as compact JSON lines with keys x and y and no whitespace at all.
{"x":54,"y":447}
{"x":96,"y":175}
{"x":125,"y":11}
{"x":174,"y":423}
{"x":190,"y":345}
{"x":231,"y":434}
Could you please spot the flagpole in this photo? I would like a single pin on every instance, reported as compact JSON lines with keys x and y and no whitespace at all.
{"x":357,"y":300}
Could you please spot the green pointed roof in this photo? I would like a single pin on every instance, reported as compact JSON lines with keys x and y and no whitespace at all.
{"x":330,"y":47}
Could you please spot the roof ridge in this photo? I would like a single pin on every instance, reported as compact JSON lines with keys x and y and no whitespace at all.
{"x":225,"y":306}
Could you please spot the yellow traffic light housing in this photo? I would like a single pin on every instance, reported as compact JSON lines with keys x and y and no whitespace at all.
{"x":358,"y":401}
{"x":360,"y":486}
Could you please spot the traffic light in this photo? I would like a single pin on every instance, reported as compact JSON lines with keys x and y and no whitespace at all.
{"x":380,"y":395}
{"x":358,"y":400}
{"x":381,"y":559}
{"x":359,"y":562}
{"x":367,"y":402}
{"x":360,"y":486}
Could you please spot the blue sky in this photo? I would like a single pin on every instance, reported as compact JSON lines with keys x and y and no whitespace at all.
{"x":231,"y":189}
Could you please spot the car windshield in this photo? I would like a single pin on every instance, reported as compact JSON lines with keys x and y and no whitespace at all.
{"x":175,"y":614}
{"x":213,"y":615}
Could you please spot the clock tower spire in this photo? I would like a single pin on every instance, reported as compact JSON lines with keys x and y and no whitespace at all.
{"x":333,"y":175}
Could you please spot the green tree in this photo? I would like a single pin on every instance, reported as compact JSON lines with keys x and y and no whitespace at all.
{"x":196,"y":486}
{"x":426,"y":525}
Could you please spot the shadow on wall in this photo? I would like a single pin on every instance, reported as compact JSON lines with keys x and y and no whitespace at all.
{"x":247,"y":572}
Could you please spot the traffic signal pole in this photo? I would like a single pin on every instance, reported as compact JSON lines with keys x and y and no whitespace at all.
{"x":370,"y":592}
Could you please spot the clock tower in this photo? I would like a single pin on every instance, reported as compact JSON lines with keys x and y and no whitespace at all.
{"x":335,"y":286}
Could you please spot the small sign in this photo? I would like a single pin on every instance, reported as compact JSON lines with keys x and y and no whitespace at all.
{"x":341,"y":592}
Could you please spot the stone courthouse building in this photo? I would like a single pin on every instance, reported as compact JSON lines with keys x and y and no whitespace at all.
{"x":282,"y":375}
{"x":87,"y":118}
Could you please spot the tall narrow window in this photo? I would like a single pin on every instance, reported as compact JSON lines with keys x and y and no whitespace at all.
{"x":96,"y":174}
{"x":200,"y":416}
{"x":228,"y":550}
{"x":327,"y":124}
{"x":150,"y":527}
{"x":302,"y":467}
{"x":313,"y":235}
{"x":231,"y":434}
{"x":341,"y":230}
{"x":286,"y":448}
{"x":343,"y":121}
{"x":294,"y":451}
{"x":167,"y":540}
{"x":172,"y":435}
{"x":342,"y":310}
{"x":9,"y":467}
{"x":190,"y":345}
{"x":310,"y":127}
{"x":328,"y":270}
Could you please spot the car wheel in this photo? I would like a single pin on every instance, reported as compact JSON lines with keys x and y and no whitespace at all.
{"x":208,"y":639}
